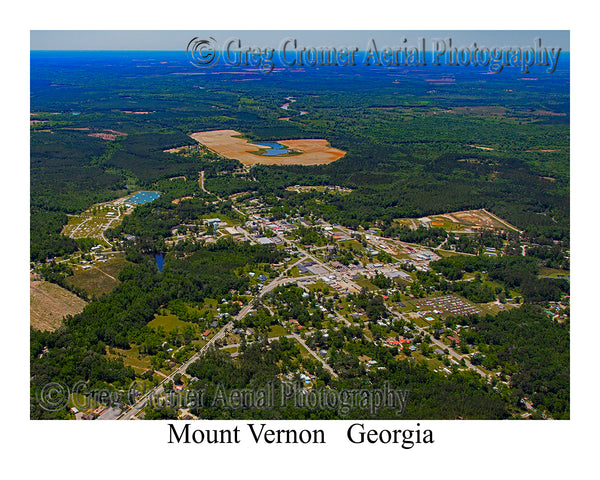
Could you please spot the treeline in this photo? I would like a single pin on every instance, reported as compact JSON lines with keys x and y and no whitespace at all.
{"x":512,"y":271}
{"x":424,"y":236}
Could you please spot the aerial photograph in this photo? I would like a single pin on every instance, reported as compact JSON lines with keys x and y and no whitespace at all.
{"x":300,"y":225}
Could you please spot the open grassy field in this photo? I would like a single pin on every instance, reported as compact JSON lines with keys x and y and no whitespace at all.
{"x":277,"y":331}
{"x":230,"y":144}
{"x":303,"y":351}
{"x":554,"y":273}
{"x":169,"y":322}
{"x":365,"y":283}
{"x":49,"y":303}
{"x":101,"y":278}
{"x":132,"y":358}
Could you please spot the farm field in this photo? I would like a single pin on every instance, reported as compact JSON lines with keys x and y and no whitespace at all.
{"x":230,"y":144}
{"x":49,"y":303}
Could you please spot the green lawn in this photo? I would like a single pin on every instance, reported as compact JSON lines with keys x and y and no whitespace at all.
{"x":303,"y":351}
{"x":83,"y":403}
{"x":132,"y":358}
{"x":169,"y":322}
{"x":277,"y":331}
{"x":365,"y":283}
{"x":101,"y":278}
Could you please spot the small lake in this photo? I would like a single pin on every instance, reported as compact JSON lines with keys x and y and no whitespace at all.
{"x":143,"y":197}
{"x":160,"y":261}
{"x":272,"y":148}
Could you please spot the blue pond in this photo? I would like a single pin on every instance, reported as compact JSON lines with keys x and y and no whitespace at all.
{"x":273,"y":148}
{"x":143,"y":197}
{"x":160,"y":261}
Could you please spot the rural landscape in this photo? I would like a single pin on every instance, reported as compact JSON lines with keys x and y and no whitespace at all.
{"x":196,"y":238}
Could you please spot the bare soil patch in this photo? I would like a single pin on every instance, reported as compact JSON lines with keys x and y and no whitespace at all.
{"x":177,"y":200}
{"x":230,"y":144}
{"x":111,"y":135}
{"x":49,"y":303}
{"x":482,"y":219}
{"x":480,"y":147}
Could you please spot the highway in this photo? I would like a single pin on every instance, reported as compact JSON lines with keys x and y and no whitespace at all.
{"x":132,"y":412}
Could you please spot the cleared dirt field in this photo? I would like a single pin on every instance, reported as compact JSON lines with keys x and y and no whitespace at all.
{"x":49,"y":303}
{"x":481,"y":219}
{"x":177,"y":200}
{"x":230,"y":144}
{"x":106,"y":136}
{"x":464,"y":221}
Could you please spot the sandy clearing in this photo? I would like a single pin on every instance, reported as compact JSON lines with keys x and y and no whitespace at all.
{"x":175,"y":150}
{"x":230,"y":144}
{"x":177,"y":200}
{"x":483,"y":219}
{"x":111,"y":135}
{"x":480,"y":148}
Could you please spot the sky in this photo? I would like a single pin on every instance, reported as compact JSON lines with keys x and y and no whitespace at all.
{"x":179,"y":39}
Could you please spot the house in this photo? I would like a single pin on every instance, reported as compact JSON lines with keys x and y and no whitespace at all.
{"x":206,"y":334}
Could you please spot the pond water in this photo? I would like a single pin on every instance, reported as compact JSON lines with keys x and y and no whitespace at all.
{"x":272,"y":148}
{"x":160,"y":261}
{"x":143,"y":197}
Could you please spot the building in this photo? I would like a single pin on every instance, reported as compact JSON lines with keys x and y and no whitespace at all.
{"x":264,"y":241}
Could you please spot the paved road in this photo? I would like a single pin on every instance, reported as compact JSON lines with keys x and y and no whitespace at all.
{"x":325,"y":365}
{"x":443,"y":346}
{"x":135,"y":409}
